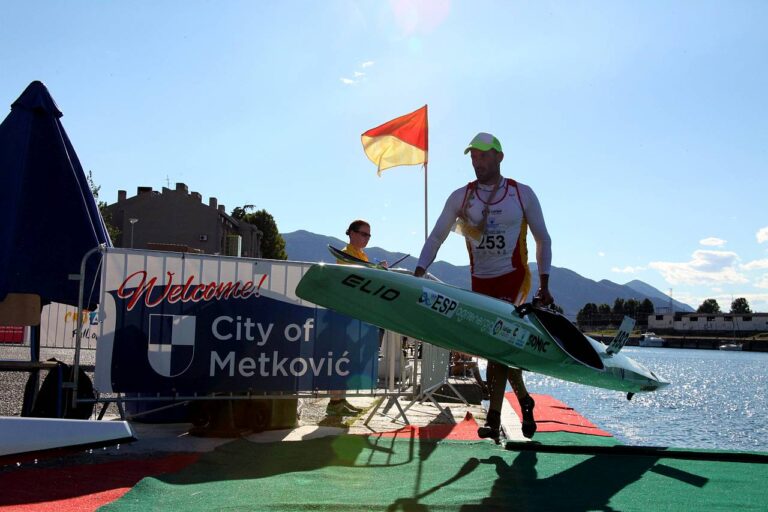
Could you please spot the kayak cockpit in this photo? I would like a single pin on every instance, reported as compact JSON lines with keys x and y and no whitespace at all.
{"x":567,"y":336}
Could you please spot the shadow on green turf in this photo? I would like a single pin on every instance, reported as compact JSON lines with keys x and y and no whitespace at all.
{"x":406,"y":474}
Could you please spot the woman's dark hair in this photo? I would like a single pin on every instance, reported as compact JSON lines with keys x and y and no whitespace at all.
{"x":356,"y":224}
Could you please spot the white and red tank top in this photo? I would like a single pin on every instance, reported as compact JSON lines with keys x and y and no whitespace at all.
{"x":502,"y":247}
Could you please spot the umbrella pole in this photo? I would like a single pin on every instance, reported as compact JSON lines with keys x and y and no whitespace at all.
{"x":33,"y":384}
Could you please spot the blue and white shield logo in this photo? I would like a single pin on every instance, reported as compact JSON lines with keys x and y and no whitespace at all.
{"x":171,"y":344}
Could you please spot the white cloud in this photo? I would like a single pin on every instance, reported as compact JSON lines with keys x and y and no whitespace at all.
{"x":762,"y":235}
{"x":712,"y":241}
{"x":688,"y":298}
{"x":756,"y":265}
{"x":358,"y":76}
{"x":600,"y":253}
{"x":627,"y":270}
{"x":705,"y":267}
{"x":762,"y":282}
{"x":758,"y":302}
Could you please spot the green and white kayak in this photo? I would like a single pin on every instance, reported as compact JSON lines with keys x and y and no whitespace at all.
{"x":527,"y":337}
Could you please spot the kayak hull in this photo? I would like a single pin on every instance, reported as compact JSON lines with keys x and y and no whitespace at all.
{"x":529,"y":338}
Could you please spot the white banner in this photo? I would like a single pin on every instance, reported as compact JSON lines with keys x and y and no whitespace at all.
{"x":187,"y":323}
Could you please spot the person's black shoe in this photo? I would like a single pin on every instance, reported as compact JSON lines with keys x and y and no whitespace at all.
{"x":529,"y":424}
{"x":341,"y":408}
{"x":491,"y":429}
{"x":488,"y":432}
{"x":351,"y":407}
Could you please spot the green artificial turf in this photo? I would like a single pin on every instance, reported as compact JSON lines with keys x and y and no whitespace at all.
{"x":371,"y":473}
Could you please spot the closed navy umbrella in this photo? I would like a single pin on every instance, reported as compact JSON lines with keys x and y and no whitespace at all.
{"x":48,"y":216}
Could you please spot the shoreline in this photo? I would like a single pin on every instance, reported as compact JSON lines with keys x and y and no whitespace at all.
{"x":693,"y":342}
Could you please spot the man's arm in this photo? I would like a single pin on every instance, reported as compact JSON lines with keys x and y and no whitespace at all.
{"x":439,"y":232}
{"x":542,"y":294}
{"x":535,"y":219}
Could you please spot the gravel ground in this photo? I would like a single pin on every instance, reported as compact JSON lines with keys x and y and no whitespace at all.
{"x":12,"y":382}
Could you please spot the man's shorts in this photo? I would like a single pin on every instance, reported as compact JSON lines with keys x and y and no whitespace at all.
{"x":505,"y":287}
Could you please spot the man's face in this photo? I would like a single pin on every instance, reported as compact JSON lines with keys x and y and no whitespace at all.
{"x":487,"y":165}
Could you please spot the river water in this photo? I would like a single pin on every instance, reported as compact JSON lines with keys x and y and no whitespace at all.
{"x":716,"y":400}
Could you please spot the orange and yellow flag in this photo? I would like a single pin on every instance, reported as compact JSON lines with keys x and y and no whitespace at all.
{"x":401,"y":141}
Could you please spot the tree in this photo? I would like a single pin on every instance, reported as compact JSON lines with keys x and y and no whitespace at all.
{"x":272,"y":242}
{"x":113,"y":231}
{"x":586,"y":315}
{"x":709,"y":306}
{"x":604,"y":312}
{"x":241,"y":211}
{"x":631,"y":308}
{"x":645,"y":310}
{"x":618,"y":306}
{"x":740,"y":306}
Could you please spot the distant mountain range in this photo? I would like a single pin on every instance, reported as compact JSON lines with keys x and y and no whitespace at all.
{"x":571,"y":291}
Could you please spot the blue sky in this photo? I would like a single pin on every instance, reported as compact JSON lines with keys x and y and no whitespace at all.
{"x":642,"y":126}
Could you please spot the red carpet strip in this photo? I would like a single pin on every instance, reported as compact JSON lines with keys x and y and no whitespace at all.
{"x":83,"y":487}
{"x":552,"y":415}
{"x":465,"y":430}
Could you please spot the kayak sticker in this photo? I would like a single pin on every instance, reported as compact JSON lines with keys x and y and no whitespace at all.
{"x":508,"y":331}
{"x":538,"y":343}
{"x":482,"y":322}
{"x":368,"y":286}
{"x":438,"y":302}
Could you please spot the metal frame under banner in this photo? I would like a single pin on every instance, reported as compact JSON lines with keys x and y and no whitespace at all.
{"x":435,"y":373}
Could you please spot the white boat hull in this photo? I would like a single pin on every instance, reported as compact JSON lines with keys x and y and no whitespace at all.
{"x":20,"y":436}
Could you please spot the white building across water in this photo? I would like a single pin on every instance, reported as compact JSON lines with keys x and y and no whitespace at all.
{"x":701,"y":323}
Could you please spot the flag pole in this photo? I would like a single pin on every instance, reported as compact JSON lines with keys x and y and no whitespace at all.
{"x":426,"y":161}
{"x":425,"y":202}
{"x":400,"y":141}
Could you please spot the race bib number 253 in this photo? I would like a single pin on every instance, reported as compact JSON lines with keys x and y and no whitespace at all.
{"x":492,"y":242}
